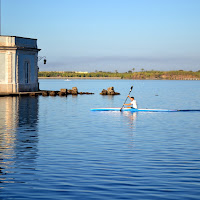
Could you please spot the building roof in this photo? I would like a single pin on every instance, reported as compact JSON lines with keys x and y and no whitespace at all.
{"x":22,"y":43}
{"x":17,"y":37}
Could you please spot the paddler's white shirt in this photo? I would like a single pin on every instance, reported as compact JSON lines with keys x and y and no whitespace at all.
{"x":134,"y":103}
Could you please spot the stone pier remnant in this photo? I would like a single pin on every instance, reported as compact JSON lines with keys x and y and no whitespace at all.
{"x":45,"y":93}
{"x":109,"y":91}
{"x":62,"y":92}
{"x":74,"y":91}
{"x":53,"y":93}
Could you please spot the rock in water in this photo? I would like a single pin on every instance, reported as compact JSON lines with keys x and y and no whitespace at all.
{"x":74,"y":90}
{"x":63,"y":90}
{"x":109,"y":91}
{"x":104,"y":92}
{"x":53,"y":93}
{"x":45,"y":93}
{"x":62,"y":94}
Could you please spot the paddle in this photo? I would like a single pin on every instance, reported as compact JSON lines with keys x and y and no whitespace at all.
{"x":126,"y":98}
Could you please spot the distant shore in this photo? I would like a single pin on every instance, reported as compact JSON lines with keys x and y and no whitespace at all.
{"x":80,"y":78}
{"x":113,"y":78}
{"x":130,"y":75}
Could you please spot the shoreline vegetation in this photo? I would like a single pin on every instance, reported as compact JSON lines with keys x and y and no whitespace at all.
{"x":143,"y":75}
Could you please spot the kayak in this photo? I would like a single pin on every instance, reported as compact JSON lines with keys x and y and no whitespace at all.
{"x":133,"y":110}
{"x":142,"y":110}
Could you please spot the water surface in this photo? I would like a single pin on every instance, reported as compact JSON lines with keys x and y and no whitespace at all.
{"x":56,"y":148}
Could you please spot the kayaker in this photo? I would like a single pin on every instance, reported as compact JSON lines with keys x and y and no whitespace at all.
{"x":133,"y":103}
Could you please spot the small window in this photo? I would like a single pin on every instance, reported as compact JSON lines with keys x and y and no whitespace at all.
{"x":26,"y":72}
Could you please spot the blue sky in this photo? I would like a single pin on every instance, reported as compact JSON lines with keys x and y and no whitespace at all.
{"x":89,"y":35}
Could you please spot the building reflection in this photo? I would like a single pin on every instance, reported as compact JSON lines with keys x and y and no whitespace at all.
{"x":8,"y":115}
{"x":18,"y":134}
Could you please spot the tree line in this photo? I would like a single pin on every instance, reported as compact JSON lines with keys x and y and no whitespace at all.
{"x":167,"y":75}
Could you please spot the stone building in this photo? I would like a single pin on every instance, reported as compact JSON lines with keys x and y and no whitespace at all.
{"x":18,"y":64}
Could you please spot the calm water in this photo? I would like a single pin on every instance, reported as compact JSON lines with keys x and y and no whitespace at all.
{"x":56,"y":148}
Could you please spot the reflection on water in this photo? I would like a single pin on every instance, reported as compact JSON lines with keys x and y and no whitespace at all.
{"x":18,"y":136}
{"x":131,"y":116}
{"x":132,"y":126}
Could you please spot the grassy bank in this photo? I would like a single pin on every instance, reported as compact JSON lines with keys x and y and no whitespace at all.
{"x":165,"y":75}
{"x":57,"y":77}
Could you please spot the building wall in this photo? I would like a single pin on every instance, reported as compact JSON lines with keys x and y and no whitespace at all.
{"x":18,"y":64}
{"x":7,"y":41}
{"x":32,"y":83}
{"x":8,"y":69}
{"x":2,"y":67}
